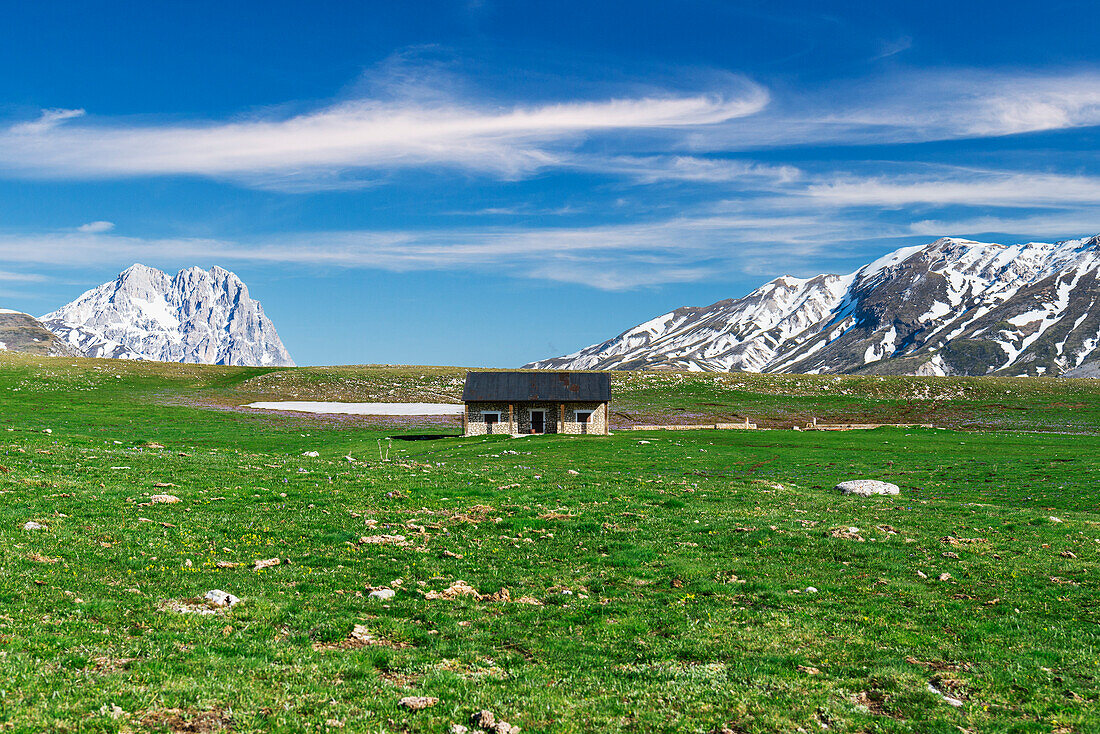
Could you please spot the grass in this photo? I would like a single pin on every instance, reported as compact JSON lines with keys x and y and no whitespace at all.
{"x":681,"y":557}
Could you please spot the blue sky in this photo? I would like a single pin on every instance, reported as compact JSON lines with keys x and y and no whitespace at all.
{"x":487,"y":183}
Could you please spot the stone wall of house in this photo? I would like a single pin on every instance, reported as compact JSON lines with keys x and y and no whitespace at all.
{"x":596,"y":422}
{"x":475,"y":415}
{"x":476,"y":425}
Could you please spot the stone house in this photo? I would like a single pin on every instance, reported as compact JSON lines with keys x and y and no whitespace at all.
{"x":536,"y":402}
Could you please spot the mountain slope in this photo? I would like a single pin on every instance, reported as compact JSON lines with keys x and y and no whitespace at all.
{"x":20,"y":332}
{"x":950,"y":307}
{"x":198,"y":316}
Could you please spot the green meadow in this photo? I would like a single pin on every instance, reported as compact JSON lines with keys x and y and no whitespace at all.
{"x":642,"y":582}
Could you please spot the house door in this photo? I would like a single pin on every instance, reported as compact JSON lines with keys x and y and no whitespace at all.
{"x":491,"y":419}
{"x":538,"y":421}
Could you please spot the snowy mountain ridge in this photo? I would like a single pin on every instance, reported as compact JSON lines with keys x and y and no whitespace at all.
{"x":951,"y":307}
{"x":197,"y":316}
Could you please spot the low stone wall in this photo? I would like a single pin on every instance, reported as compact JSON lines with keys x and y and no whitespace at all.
{"x":703,"y":427}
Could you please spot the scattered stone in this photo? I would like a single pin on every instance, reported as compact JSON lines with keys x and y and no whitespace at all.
{"x":351,"y":459}
{"x":484,"y":719}
{"x":39,"y":558}
{"x":32,"y":525}
{"x":848,"y":533}
{"x":1067,"y":554}
{"x":214,"y":602}
{"x":164,"y":485}
{"x":461,"y":588}
{"x":360,"y":637}
{"x":867,"y":487}
{"x":311,"y":454}
{"x":922,"y":574}
{"x":227,"y":564}
{"x":153,"y":445}
{"x":417,"y":703}
{"x":48,"y":430}
{"x":451,"y":554}
{"x":944,"y":577}
{"x":164,"y":499}
{"x":188,"y":563}
{"x":949,"y":554}
{"x":220,"y":598}
{"x":1052,"y":518}
{"x":384,"y":540}
{"x":809,"y":670}
{"x":574,"y":472}
{"x":951,"y":700}
{"x":811,"y":589}
{"x":382,"y":594}
{"x":528,"y":600}
{"x":266,"y":563}
{"x":113,"y":711}
{"x":459,"y":729}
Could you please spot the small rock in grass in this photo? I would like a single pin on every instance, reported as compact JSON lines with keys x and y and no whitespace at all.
{"x":220,"y":598}
{"x":312,"y":454}
{"x":1052,"y":518}
{"x":458,"y":729}
{"x":944,"y":577}
{"x":811,"y":589}
{"x":809,"y":670}
{"x":574,"y":472}
{"x":484,"y":719}
{"x":164,"y":499}
{"x":32,"y":525}
{"x":266,"y":563}
{"x":922,"y":574}
{"x":382,"y":594}
{"x":48,"y":430}
{"x":417,"y":703}
{"x":867,"y":487}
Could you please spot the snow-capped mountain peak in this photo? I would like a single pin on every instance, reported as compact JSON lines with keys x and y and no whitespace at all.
{"x":198,"y":316}
{"x":952,"y":306}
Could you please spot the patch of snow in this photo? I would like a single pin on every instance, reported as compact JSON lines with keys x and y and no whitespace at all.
{"x":303,"y":406}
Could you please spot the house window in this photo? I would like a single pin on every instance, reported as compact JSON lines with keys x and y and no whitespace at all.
{"x":538,"y":420}
{"x":582,"y":418}
{"x":492,"y":418}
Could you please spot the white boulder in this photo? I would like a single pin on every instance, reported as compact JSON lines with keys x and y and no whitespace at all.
{"x":867,"y":487}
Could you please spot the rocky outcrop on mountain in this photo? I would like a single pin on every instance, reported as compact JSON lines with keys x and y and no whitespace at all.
{"x":952,"y":307}
{"x":197,"y":316}
{"x":20,"y":332}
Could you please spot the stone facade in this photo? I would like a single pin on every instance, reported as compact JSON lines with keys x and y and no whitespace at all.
{"x":476,"y":424}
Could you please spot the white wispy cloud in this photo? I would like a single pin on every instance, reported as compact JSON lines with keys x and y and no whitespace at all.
{"x":358,"y":134}
{"x":610,"y":257}
{"x":98,"y":226}
{"x":952,"y":185}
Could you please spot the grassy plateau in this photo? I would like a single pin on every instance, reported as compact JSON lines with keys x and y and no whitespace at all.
{"x":666,"y":581}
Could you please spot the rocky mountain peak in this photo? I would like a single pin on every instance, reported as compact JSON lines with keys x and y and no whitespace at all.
{"x":952,"y":306}
{"x":199,"y":316}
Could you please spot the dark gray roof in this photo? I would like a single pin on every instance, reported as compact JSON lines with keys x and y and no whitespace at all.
{"x":555,"y":387}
